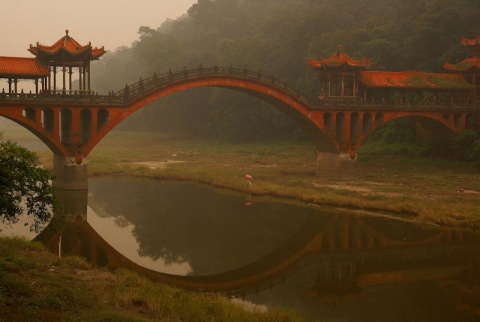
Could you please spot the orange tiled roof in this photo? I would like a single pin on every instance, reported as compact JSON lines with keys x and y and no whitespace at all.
{"x":339,"y":59}
{"x":68,"y":45}
{"x":471,"y":42}
{"x":20,"y":67}
{"x":464,"y":65}
{"x":413,"y":79}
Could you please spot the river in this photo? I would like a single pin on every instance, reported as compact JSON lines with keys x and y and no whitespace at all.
{"x":321,"y":262}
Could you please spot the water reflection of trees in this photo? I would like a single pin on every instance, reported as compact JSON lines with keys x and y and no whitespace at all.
{"x":213,"y":231}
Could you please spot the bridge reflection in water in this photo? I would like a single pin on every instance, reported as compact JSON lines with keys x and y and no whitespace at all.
{"x":345,"y":254}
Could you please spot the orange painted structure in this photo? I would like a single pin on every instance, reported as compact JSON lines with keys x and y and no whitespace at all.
{"x":353,"y":101}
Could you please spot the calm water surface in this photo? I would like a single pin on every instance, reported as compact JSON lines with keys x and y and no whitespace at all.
{"x":323,"y":263}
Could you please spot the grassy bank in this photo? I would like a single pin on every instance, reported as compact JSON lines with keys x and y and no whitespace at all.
{"x":35,"y":285}
{"x":430,"y":190}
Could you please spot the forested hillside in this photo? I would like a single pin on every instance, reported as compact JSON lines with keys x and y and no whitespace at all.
{"x":277,"y":37}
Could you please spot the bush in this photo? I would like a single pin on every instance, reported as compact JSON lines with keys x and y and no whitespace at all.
{"x":466,"y":145}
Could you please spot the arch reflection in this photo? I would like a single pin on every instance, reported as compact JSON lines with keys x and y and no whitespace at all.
{"x":346,"y":252}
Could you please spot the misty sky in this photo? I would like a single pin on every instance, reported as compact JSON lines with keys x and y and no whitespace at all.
{"x":109,"y":23}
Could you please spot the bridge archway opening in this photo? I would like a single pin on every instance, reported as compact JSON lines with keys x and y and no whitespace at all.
{"x":48,"y":120}
{"x":102,"y":118}
{"x":340,"y":128}
{"x":446,"y":117}
{"x":85,"y":125}
{"x":274,"y":97}
{"x":66,"y":127}
{"x":367,"y":123}
{"x":327,"y":121}
{"x":354,"y":128}
{"x":379,"y":121}
{"x":471,"y":123}
{"x":24,"y":135}
{"x":422,"y":131}
{"x":458,"y":121}
{"x":30,"y":114}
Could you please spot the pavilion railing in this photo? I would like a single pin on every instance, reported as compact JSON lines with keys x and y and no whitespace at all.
{"x":407,"y":105}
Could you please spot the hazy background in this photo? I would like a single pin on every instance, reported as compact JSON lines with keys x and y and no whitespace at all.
{"x":109,"y":23}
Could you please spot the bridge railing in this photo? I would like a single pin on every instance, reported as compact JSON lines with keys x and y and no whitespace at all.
{"x":143,"y":86}
{"x":73,"y":97}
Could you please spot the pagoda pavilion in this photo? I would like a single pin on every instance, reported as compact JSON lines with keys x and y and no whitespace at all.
{"x":344,"y":80}
{"x":65,"y":56}
{"x":469,"y":67}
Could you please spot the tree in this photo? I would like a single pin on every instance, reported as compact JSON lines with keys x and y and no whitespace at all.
{"x":24,"y":187}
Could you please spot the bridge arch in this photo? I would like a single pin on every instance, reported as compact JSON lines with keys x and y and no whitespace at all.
{"x":260,"y":86}
{"x":434,"y":124}
{"x":42,"y":134}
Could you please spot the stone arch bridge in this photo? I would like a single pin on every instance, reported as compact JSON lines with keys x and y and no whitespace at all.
{"x":72,"y":124}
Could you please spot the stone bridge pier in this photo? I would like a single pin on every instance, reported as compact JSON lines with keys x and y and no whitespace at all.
{"x":335,"y":163}
{"x":69,"y":173}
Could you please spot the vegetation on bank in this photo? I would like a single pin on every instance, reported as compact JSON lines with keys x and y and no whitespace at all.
{"x":35,"y":285}
{"x":24,"y":187}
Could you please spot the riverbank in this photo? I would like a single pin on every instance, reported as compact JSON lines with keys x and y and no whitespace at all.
{"x":428,"y":190}
{"x":36,"y":285}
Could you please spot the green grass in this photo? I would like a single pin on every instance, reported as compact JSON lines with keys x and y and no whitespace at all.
{"x":34,"y":283}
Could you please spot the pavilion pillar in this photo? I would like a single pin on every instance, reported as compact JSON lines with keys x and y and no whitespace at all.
{"x":80,"y":78}
{"x":70,"y":78}
{"x":9,"y":86}
{"x":85,"y":78}
{"x":16,"y":85}
{"x":49,"y":80}
{"x":342,"y":92}
{"x":88,"y":77}
{"x":54,"y":79}
{"x":36,"y":86}
{"x":64,"y":79}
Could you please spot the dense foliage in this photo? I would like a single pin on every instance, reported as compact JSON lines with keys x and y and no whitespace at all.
{"x":277,"y":37}
{"x":24,"y":187}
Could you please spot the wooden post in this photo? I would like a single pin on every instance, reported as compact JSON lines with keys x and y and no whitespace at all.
{"x":54,"y":79}
{"x":64,"y":79}
{"x":88,"y":76}
{"x":80,"y":78}
{"x":49,"y":78}
{"x":70,"y":78}
{"x":84,"y":78}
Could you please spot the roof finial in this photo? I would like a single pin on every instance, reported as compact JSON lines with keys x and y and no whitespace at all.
{"x":340,"y":49}
{"x":66,"y":32}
